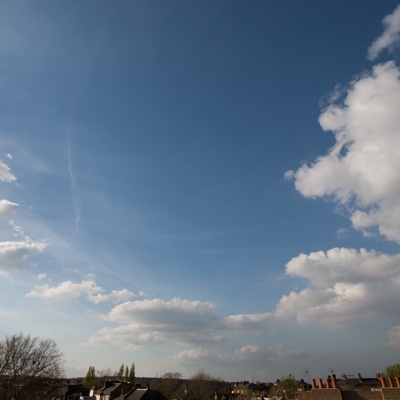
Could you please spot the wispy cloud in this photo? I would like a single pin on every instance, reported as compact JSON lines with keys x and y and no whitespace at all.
{"x":7,"y":207}
{"x":390,"y":36}
{"x":13,"y":254}
{"x":5,"y":173}
{"x":267,"y":353}
{"x":191,"y":354}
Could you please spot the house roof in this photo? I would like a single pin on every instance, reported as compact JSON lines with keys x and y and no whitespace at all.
{"x":115,"y":389}
{"x":358,"y":382}
{"x":143,"y":394}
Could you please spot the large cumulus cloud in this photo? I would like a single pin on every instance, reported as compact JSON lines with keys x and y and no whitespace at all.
{"x":360,"y":172}
{"x":345,"y":286}
{"x":361,"y":169}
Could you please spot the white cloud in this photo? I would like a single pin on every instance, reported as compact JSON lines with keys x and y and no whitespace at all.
{"x":13,"y":254}
{"x":64,"y":290}
{"x":342,"y":233}
{"x":7,"y":207}
{"x":274,"y":353}
{"x":394,"y":337}
{"x":345,"y":286}
{"x":156,"y":320}
{"x":5,"y":173}
{"x":86,"y":288}
{"x":178,"y":321}
{"x":191,"y":354}
{"x":253,"y":322}
{"x":116,"y":296}
{"x":344,"y":265}
{"x":361,"y":169}
{"x":390,"y":36}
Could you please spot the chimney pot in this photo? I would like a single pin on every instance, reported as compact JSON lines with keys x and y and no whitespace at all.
{"x":328,"y":383}
{"x":313,"y":385}
{"x":334,"y":383}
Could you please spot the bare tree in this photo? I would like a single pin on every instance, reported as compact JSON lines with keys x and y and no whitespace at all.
{"x":170,"y":385}
{"x":202,"y":386}
{"x":25,"y":361}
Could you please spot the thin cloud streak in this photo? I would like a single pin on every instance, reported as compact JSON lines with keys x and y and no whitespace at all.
{"x":75,"y":195}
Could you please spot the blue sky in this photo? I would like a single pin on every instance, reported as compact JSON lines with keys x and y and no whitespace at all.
{"x":202,"y":185}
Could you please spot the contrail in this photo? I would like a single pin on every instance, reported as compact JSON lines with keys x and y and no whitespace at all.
{"x":75,"y":197}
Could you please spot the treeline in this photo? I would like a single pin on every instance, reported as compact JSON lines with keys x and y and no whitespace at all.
{"x":95,"y":379}
{"x":199,"y":387}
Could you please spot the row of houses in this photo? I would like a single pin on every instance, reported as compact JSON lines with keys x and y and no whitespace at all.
{"x":330,"y":388}
{"x":113,"y":390}
{"x":353,"y":388}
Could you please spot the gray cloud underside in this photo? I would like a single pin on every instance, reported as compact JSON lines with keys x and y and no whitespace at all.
{"x":13,"y":254}
{"x":180,"y":321}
